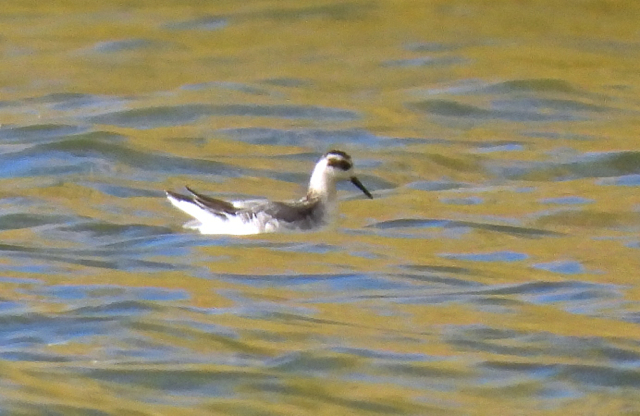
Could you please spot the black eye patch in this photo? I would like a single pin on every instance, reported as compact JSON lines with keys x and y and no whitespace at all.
{"x":340,"y":164}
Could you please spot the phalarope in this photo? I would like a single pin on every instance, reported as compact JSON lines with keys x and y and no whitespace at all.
{"x":316,"y":209}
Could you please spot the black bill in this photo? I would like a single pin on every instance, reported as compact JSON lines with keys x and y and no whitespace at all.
{"x":360,"y":186}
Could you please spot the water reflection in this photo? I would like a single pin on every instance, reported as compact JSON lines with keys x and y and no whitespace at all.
{"x":495,"y":269}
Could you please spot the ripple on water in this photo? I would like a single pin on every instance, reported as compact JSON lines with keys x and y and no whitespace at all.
{"x":232,"y":86}
{"x":330,"y":283}
{"x":97,"y":152}
{"x":38,"y":133}
{"x":110,"y":295}
{"x":546,"y":105}
{"x":602,"y":376}
{"x":14,"y":221}
{"x":496,"y":256}
{"x":472,"y":200}
{"x":412,"y":223}
{"x":520,"y":88}
{"x":506,"y":110}
{"x":424,"y":61}
{"x":533,"y":85}
{"x":440,"y":274}
{"x":313,"y":362}
{"x":482,"y":338}
{"x":493,"y":147}
{"x":318,"y":139}
{"x":334,"y":11}
{"x":436,"y":46}
{"x":207,"y":23}
{"x":588,"y":165}
{"x":102,"y":232}
{"x":567,"y":200}
{"x":439,"y":185}
{"x":121,"y":191}
{"x":562,"y":267}
{"x":525,"y":100}
{"x":28,"y":332}
{"x":104,"y":245}
{"x":154,"y":117}
{"x":127,"y":45}
{"x":588,"y":218}
{"x":573,"y":296}
{"x":288,"y":82}
{"x":453,"y":284}
{"x":76,"y":102}
{"x":624,"y":180}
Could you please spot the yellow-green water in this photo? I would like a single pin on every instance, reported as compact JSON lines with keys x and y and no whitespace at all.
{"x":495,"y":272}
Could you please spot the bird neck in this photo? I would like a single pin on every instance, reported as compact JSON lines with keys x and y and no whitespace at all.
{"x":322,"y":186}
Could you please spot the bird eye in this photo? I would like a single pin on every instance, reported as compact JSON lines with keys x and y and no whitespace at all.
{"x":340,"y":164}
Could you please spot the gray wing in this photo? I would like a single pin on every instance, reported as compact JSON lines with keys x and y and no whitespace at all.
{"x":215,"y":206}
{"x":302,"y":214}
{"x":297,"y":211}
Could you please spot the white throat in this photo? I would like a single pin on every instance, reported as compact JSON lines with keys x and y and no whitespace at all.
{"x":322,"y":184}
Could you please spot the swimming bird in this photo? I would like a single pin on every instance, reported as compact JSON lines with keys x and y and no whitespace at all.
{"x":316,"y":209}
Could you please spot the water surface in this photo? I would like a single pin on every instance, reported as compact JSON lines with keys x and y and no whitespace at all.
{"x":496,"y":270}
